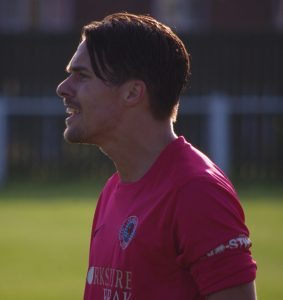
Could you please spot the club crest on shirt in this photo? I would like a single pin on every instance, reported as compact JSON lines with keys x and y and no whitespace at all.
{"x":128,"y":231}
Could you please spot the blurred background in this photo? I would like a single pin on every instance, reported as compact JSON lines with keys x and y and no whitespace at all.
{"x":232,"y":109}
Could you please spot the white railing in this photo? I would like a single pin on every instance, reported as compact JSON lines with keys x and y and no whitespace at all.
{"x":217,"y":107}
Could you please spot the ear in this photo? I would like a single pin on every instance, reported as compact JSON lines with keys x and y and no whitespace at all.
{"x":133,"y":92}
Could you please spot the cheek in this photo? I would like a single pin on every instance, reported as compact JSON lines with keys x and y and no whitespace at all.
{"x":100,"y":102}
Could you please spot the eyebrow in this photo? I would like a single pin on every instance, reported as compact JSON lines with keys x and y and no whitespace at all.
{"x":70,"y":69}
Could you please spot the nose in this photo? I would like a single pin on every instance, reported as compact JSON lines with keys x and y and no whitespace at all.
{"x":59,"y":89}
{"x":63,"y":89}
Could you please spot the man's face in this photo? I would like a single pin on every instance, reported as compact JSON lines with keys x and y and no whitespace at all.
{"x":94,"y":107}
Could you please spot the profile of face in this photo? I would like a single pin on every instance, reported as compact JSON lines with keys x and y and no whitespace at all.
{"x":94,"y":106}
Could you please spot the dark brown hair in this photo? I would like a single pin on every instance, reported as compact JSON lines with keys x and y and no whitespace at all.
{"x":125,"y":46}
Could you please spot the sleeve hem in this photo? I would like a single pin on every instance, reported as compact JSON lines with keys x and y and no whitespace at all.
{"x":229,"y":283}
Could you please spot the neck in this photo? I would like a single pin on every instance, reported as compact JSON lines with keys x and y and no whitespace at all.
{"x":134,"y":154}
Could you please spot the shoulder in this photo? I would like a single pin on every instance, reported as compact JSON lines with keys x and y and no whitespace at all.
{"x":188,"y":163}
{"x":207,"y":214}
{"x":207,"y":198}
{"x":195,"y":181}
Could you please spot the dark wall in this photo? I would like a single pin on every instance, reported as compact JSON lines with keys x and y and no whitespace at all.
{"x":32,"y":65}
{"x":242,"y":15}
{"x":89,"y":10}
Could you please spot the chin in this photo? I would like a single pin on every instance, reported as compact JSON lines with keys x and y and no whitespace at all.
{"x":73,"y":136}
{"x":76,"y":136}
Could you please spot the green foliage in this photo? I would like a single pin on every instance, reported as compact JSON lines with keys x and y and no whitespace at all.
{"x":45,"y":229}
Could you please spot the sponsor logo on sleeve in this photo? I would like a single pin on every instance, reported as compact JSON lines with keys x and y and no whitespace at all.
{"x":241,"y":241}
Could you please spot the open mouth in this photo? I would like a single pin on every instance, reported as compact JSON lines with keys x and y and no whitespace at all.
{"x":72,"y":111}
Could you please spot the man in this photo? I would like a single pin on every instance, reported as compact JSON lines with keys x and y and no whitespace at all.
{"x":168,"y":224}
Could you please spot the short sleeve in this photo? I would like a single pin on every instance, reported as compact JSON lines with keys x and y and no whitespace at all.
{"x":212,"y":238}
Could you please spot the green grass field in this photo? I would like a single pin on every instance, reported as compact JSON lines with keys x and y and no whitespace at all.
{"x":44,"y":239}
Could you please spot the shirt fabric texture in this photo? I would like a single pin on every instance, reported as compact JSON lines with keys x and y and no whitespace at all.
{"x":177,"y":233}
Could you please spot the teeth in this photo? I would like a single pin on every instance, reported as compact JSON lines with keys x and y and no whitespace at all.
{"x":71,"y":110}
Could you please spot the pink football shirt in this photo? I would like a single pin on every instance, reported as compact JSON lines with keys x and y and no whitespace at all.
{"x":177,"y":233}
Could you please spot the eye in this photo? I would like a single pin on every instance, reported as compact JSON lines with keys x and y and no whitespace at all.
{"x":81,"y":76}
